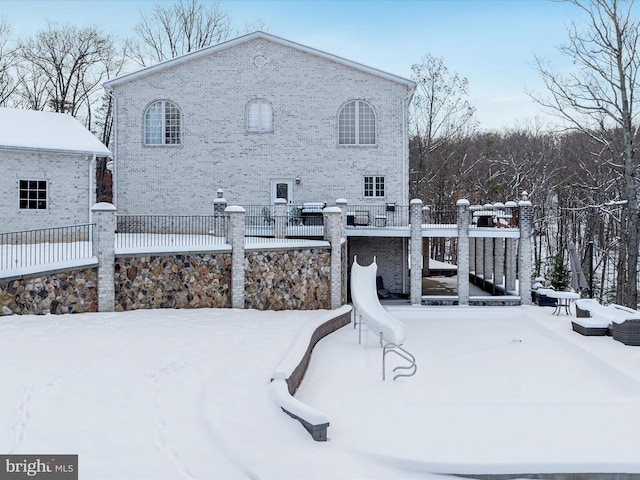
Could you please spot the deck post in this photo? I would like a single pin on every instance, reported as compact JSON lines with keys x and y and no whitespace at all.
{"x":463,"y":251}
{"x":479,"y":241}
{"x":104,"y":240}
{"x":510,"y":267}
{"x":525,"y":220}
{"x":332,"y":234}
{"x":488,"y":262}
{"x":236,"y":239}
{"x":498,"y":263}
{"x":341,"y":203}
{"x":472,"y":255}
{"x":415,"y":250}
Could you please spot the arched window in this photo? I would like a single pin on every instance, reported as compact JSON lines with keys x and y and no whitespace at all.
{"x":259,"y":116}
{"x":357,"y":124}
{"x":162,"y":124}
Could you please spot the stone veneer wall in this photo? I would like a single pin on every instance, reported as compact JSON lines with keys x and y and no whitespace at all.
{"x":72,"y":291}
{"x":194,"y":280}
{"x":288,"y":279}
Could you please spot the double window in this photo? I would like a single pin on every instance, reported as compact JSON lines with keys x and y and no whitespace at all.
{"x":259,"y":116}
{"x":33,"y":195}
{"x":374,"y":186}
{"x":162,"y":124}
{"x":357,"y":124}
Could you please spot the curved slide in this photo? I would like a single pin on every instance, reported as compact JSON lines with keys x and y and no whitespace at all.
{"x":367,"y":306}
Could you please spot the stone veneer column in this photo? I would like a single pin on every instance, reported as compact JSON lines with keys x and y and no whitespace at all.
{"x":463,"y":251}
{"x":524,"y":254}
{"x":104,"y":242}
{"x":341,"y":203}
{"x":280,"y":217}
{"x":236,"y":239}
{"x":415,"y":250}
{"x":332,"y":235}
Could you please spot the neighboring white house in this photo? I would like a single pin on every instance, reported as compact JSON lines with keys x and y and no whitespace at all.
{"x":48,"y":170}
{"x":260,"y":117}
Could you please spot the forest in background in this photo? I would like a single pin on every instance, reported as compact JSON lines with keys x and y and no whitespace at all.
{"x":574,"y":185}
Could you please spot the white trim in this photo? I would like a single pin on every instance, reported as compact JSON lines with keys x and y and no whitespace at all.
{"x":356,"y":126}
{"x":55,"y":150}
{"x":246,"y":38}
{"x":260,"y":102}
{"x":275,"y":182}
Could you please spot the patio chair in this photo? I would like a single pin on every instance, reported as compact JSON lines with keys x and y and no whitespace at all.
{"x":266,"y":214}
{"x":295,"y":216}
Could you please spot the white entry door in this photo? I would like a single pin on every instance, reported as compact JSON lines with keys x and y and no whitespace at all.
{"x":282,"y":188}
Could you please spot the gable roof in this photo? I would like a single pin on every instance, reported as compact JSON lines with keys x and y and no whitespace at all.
{"x":47,"y":131}
{"x":247,"y":38}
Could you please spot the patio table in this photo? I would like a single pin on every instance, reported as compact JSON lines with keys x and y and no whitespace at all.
{"x":563,"y":299}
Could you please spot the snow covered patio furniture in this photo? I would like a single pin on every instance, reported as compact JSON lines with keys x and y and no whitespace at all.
{"x":358,"y":218}
{"x":594,"y":319}
{"x":562,"y":299}
{"x":627,"y":331}
{"x":311,"y":213}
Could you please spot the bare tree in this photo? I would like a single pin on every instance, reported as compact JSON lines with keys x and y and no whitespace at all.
{"x":62,"y":69}
{"x":440,"y":112}
{"x":174,"y":30}
{"x":598,"y":96}
{"x":7,"y":64}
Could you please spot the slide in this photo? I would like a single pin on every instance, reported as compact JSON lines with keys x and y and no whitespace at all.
{"x":367,"y":306}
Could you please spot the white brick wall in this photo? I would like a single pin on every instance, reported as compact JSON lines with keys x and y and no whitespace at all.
{"x":67,"y":178}
{"x":306,"y":92}
{"x":389,"y":258}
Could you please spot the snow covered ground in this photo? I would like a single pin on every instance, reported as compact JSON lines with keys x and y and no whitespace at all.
{"x":164,"y":394}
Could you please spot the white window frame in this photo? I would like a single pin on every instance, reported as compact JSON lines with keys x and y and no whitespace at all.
{"x":262,"y":120}
{"x":165,"y":122}
{"x":28,"y":190}
{"x":355,"y":124}
{"x":375,"y":187}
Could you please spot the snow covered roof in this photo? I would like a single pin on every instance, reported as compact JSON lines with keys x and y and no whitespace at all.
{"x":47,"y":131}
{"x":252,"y":36}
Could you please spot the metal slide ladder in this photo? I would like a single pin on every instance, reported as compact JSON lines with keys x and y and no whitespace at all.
{"x":411,"y":368}
{"x":388,"y":348}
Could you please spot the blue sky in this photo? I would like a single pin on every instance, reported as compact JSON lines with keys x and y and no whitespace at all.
{"x":491,"y":42}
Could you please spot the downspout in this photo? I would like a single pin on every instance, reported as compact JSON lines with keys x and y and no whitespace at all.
{"x":114,"y":150}
{"x":92,"y":175}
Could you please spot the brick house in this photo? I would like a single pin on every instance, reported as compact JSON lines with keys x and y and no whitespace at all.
{"x":262,"y":118}
{"x":48,"y":170}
